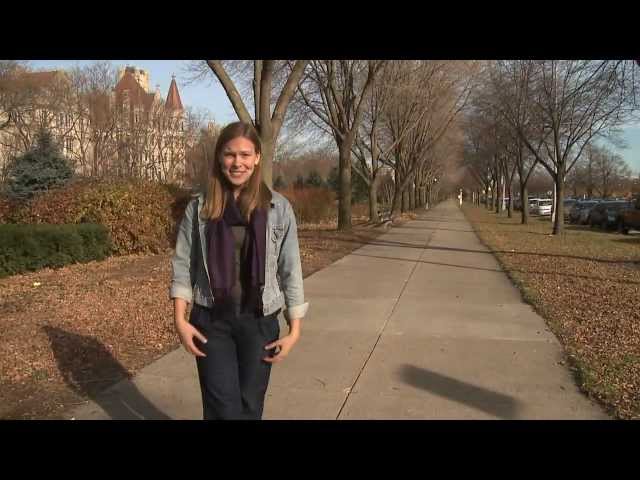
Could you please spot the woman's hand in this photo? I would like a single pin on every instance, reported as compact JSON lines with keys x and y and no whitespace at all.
{"x":187,"y":332}
{"x":285,"y":343}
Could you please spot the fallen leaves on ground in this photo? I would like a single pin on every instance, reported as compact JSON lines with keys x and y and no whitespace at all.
{"x":67,"y":334}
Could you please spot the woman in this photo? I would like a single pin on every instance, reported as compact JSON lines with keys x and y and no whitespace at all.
{"x":237,"y":259}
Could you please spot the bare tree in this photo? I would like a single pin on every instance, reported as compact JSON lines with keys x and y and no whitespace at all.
{"x":506,"y":96}
{"x":477,"y":155}
{"x":95,"y":120}
{"x":445,"y":88}
{"x":11,"y":98}
{"x":366,"y":146}
{"x":334,"y":91}
{"x":199,"y":155}
{"x":387,"y":188}
{"x":570,"y":102}
{"x":273,"y":84}
{"x":610,"y":171}
{"x":372,"y":146}
{"x":45,"y":102}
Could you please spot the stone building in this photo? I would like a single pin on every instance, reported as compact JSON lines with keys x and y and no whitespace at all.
{"x":128,"y":131}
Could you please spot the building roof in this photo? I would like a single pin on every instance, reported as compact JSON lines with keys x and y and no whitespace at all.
{"x":173,"y":97}
{"x":39,"y":79}
{"x":137,"y":95}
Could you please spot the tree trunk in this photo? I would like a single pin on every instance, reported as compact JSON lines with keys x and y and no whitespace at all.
{"x":524,"y":197}
{"x":266,"y":158}
{"x":344,"y":205}
{"x":558,"y":224}
{"x":498,"y":195}
{"x":554,"y":201}
{"x":373,"y":199}
{"x":397,"y":199}
{"x":510,"y":203}
{"x":494,"y":193}
{"x":412,"y":197}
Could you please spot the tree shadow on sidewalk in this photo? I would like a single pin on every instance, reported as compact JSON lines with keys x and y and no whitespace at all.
{"x":440,"y":264}
{"x":493,"y":403}
{"x":88,"y":368}
{"x":393,"y":243}
{"x":439,"y":220}
{"x":509,"y":270}
{"x":435,"y":229}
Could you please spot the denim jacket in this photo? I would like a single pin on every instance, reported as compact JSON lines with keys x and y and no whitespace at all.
{"x":283,"y":271}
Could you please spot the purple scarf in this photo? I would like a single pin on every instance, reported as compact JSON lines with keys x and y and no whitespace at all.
{"x":221,"y":255}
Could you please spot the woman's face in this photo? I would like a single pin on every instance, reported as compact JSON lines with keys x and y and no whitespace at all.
{"x":239,"y":159}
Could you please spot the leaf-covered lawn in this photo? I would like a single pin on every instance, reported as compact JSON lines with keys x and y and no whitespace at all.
{"x":586,"y":284}
{"x":67,"y":334}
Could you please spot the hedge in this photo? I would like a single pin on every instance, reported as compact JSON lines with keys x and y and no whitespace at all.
{"x":32,"y":247}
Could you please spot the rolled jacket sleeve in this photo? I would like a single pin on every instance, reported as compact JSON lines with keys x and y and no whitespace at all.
{"x":290,"y":270}
{"x":181,"y":260}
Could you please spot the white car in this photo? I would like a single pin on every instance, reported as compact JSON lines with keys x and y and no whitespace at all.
{"x":541,"y":206}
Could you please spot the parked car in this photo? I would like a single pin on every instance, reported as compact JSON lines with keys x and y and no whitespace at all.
{"x":629,"y":218}
{"x":580,"y":208}
{"x":541,"y":206}
{"x":583,"y":219}
{"x":605,"y":214}
{"x":568,"y":205}
{"x":532,"y":203}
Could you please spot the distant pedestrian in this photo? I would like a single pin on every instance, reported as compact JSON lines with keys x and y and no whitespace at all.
{"x":237,"y":259}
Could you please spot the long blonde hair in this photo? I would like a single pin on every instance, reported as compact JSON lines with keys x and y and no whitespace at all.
{"x":255,"y":193}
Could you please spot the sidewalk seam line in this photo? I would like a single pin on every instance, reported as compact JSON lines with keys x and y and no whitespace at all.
{"x":384,"y":326}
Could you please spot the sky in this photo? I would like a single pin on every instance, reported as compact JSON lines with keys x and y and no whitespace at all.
{"x":210,"y":96}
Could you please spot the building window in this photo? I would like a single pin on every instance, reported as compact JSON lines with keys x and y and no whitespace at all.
{"x":68,"y":143}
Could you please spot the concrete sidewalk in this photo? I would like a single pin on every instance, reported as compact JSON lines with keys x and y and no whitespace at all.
{"x":422,"y":323}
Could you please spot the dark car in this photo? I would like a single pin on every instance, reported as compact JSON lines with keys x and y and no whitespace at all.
{"x":580,"y":211}
{"x":584,"y":213}
{"x":568,"y":205}
{"x":629,"y":217}
{"x":605,"y":214}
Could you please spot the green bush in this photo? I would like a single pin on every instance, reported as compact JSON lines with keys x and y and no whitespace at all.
{"x":38,"y":170}
{"x":32,"y":247}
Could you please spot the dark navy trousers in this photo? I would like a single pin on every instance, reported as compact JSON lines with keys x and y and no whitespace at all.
{"x":233,"y":376}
